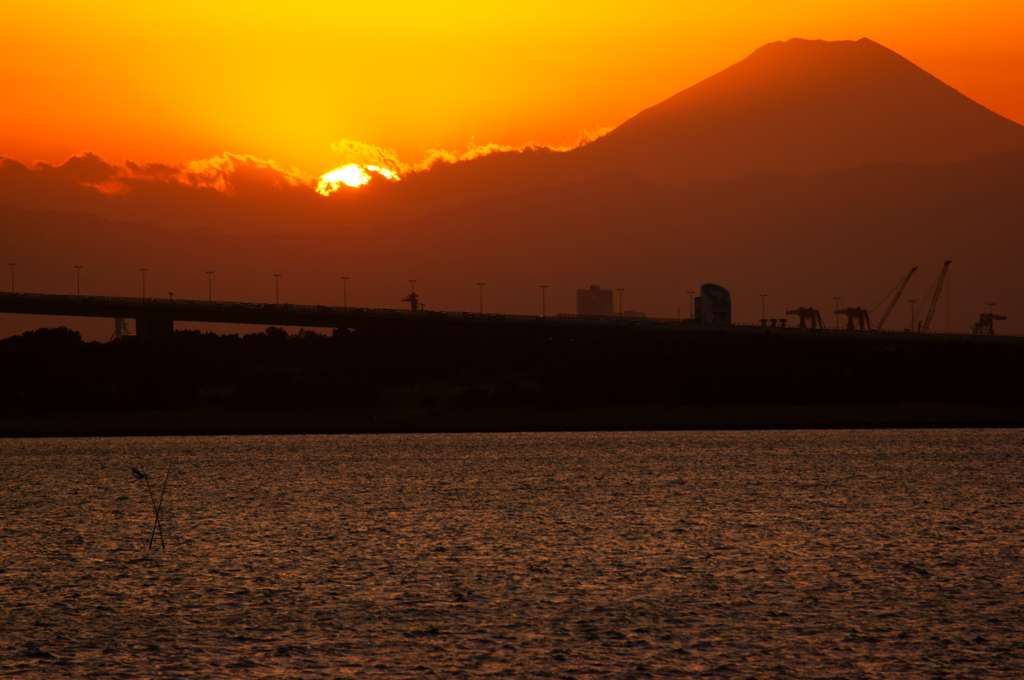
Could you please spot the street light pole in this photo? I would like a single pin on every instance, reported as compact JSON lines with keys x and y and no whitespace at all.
{"x":481,"y":297}
{"x":143,"y":282}
{"x":344,"y":293}
{"x":690,"y":293}
{"x":620,"y":302}
{"x":78,"y":278}
{"x":837,"y":311}
{"x":277,"y":290}
{"x":763,"y":296}
{"x":544,"y":301}
{"x":13,"y":265}
{"x":209,"y":276}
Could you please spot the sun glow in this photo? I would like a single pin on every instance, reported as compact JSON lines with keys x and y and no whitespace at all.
{"x":351,"y":175}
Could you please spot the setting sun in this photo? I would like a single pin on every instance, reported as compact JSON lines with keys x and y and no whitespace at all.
{"x":352,"y":175}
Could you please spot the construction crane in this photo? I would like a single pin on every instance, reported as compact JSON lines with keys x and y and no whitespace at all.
{"x":414,"y":301}
{"x":808,"y":314}
{"x":935,"y":298}
{"x":856,"y":313}
{"x":984,"y":324}
{"x":902,"y":285}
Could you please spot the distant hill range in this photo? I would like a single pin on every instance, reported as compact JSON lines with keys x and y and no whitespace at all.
{"x":800,"y":240}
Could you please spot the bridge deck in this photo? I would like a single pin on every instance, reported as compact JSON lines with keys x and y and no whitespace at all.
{"x":155,"y":314}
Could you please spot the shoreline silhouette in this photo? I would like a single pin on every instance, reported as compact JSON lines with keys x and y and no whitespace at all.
{"x":394,"y":377}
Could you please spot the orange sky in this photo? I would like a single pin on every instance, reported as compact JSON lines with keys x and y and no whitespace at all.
{"x":176,"y":81}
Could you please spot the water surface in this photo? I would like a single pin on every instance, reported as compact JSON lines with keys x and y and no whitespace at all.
{"x":827,"y":554}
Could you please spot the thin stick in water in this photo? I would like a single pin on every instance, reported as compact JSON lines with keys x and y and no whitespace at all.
{"x":156,"y":523}
{"x":142,"y":475}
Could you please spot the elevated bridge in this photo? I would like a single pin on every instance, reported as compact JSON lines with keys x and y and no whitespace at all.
{"x":156,"y":316}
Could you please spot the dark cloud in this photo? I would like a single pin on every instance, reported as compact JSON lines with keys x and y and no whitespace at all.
{"x":233,"y":193}
{"x":243,"y":194}
{"x":88,"y":169}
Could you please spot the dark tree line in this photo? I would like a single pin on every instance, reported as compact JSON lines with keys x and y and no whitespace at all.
{"x":471,"y":366}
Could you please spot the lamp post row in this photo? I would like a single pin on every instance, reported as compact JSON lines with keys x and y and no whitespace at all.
{"x":344,"y":281}
{"x":209,"y":284}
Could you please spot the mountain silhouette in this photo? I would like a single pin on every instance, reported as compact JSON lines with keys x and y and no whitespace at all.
{"x":796,"y":107}
{"x":800,"y":107}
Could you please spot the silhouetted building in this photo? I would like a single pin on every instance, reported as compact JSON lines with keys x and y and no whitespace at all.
{"x":714,"y":306}
{"x":595,"y":302}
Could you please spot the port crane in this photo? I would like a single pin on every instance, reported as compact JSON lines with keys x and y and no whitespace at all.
{"x":935,"y":298}
{"x":901,"y":285}
{"x":858,"y":314}
{"x":808,"y":314}
{"x":984,"y":324}
{"x":414,"y":301}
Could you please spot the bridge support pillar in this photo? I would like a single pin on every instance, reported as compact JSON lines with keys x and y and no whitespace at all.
{"x":153,"y":328}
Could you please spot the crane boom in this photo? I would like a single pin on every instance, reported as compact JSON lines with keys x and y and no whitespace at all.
{"x":935,"y":298}
{"x":881,"y":322}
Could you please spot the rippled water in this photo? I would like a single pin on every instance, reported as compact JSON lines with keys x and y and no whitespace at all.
{"x":833,"y":554}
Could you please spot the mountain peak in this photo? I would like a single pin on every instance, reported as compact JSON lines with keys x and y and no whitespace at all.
{"x":803,"y":106}
{"x":863,"y":48}
{"x":831,"y":59}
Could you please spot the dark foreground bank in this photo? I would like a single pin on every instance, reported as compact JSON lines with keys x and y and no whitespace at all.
{"x":457,"y":379}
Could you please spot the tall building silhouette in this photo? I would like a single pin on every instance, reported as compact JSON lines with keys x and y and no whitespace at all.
{"x":714,"y":306}
{"x":595,"y":302}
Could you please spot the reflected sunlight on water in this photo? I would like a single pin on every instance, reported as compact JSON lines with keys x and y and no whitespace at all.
{"x":751,"y":554}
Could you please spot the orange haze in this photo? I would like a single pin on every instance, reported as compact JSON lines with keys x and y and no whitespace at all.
{"x":174,"y":82}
